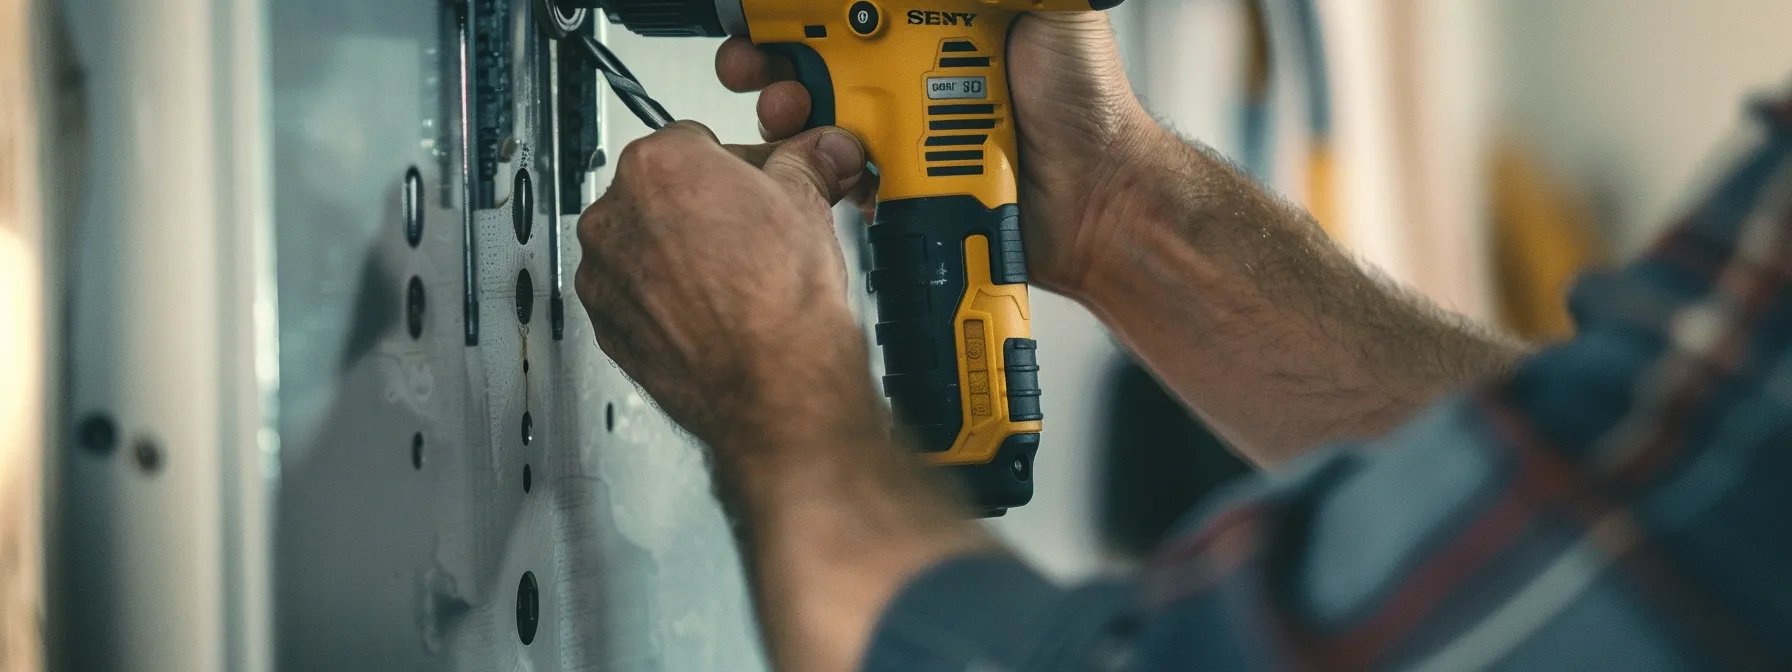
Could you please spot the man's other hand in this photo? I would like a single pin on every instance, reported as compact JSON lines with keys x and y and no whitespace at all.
{"x":712,"y":275}
{"x":713,"y":278}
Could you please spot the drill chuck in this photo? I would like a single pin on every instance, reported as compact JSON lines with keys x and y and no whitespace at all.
{"x":662,"y":18}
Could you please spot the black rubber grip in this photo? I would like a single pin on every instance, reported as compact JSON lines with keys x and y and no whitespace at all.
{"x":918,"y":276}
{"x":1007,"y":481}
{"x":1021,"y":357}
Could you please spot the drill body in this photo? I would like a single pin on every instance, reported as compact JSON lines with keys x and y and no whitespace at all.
{"x":924,"y":85}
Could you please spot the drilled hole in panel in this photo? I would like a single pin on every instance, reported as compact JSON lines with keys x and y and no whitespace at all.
{"x":98,"y":434}
{"x":522,"y":206}
{"x":413,"y":307}
{"x":525,"y":296}
{"x":413,"y":206}
{"x":528,"y":608}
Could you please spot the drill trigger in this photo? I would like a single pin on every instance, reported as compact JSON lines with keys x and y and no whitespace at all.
{"x":812,"y":73}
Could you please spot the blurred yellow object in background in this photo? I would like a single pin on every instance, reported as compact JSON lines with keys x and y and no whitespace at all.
{"x":21,"y":350}
{"x":1543,"y":237}
{"x":1321,"y":186}
{"x":20,"y":443}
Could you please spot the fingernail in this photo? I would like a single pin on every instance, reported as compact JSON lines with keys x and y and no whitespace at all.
{"x":843,"y":153}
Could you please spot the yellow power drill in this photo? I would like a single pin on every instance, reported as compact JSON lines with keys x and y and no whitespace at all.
{"x":923,"y":83}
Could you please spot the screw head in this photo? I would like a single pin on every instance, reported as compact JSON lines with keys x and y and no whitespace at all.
{"x":149,"y":455}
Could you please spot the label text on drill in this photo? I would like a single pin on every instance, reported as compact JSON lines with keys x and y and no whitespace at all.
{"x":918,"y":17}
{"x":960,"y":88}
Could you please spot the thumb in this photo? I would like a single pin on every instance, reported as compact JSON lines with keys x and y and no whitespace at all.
{"x":828,"y":162}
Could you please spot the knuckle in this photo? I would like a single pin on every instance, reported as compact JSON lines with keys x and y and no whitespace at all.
{"x":639,"y":156}
{"x":581,"y":283}
{"x":589,"y":285}
{"x":690,"y":131}
{"x":802,"y":173}
{"x":651,"y":156}
{"x":590,"y":229}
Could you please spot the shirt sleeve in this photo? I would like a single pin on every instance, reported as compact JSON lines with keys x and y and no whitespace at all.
{"x":993,"y":614}
{"x":1619,"y":502}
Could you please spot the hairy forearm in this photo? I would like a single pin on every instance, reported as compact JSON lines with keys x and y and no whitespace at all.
{"x":1244,"y":307}
{"x":833,"y":516}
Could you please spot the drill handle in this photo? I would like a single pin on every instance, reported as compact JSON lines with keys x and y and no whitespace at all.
{"x":930,"y":100}
{"x":962,"y":371}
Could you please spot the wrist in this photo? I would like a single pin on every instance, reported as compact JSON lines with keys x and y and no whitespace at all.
{"x":831,"y":540}
{"x":833,"y":518}
{"x":804,"y":386}
{"x":1153,"y":191}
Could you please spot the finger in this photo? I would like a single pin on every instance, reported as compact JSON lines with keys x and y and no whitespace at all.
{"x":674,"y":155}
{"x":827,"y":162}
{"x":691,"y":127}
{"x":743,"y":67}
{"x":783,"y":110}
{"x":753,"y":154}
{"x":864,"y":195}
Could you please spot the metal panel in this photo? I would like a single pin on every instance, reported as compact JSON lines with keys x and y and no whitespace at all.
{"x":334,"y":492}
{"x":385,"y":561}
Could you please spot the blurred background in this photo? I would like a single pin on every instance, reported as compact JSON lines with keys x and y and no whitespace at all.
{"x":1482,"y":151}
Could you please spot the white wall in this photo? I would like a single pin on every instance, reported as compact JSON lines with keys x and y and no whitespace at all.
{"x":1636,"y":98}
